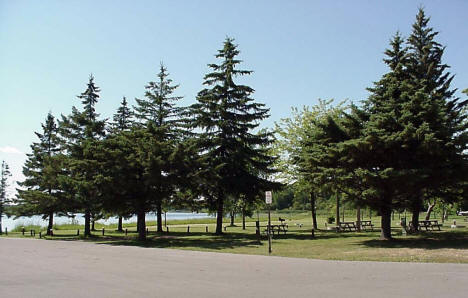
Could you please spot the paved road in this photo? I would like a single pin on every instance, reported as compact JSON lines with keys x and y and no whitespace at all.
{"x":40,"y":268}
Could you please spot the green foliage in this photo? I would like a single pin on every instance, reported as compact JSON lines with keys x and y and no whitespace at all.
{"x":122,"y":118}
{"x":401,"y":147}
{"x":235,"y":159}
{"x":41,"y":192}
{"x":298,"y":142}
{"x":81,"y":134}
{"x":162,"y":121}
{"x":405,"y":143}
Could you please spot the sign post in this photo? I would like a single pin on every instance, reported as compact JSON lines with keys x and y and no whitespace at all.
{"x":268,"y":200}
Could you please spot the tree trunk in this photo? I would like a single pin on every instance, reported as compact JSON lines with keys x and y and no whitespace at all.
{"x":337,"y":210}
{"x":141,"y":226}
{"x":386,"y":222}
{"x":92,"y":225}
{"x":342,"y":213}
{"x":312,"y":208}
{"x":159,"y":217}
{"x":232,"y":218}
{"x":219,"y":216}
{"x":243,"y":218}
{"x":430,"y":207}
{"x":87,"y":230}
{"x":50,"y":226}
{"x":120,"y":226}
{"x":415,"y":208}
{"x":138,"y":223}
{"x":358,"y":218}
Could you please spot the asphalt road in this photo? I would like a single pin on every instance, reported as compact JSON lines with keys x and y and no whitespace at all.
{"x":40,"y":268}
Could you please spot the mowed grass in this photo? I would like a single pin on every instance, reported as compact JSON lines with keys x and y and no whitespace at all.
{"x":446,"y":246}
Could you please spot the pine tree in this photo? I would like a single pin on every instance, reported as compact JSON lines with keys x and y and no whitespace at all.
{"x":235,"y":159}
{"x":125,"y":188}
{"x":379,"y":152}
{"x":412,"y":138}
{"x":123,"y":117}
{"x":4,"y":175}
{"x":82,"y":132}
{"x":159,"y":116}
{"x":435,"y":114}
{"x":123,"y":121}
{"x":41,"y":192}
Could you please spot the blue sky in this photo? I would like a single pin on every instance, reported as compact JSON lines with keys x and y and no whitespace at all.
{"x":299,"y":50}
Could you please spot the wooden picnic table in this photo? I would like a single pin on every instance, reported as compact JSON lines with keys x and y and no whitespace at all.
{"x":429,"y":225}
{"x":277,"y":228}
{"x":347,"y":226}
{"x":366,"y":224}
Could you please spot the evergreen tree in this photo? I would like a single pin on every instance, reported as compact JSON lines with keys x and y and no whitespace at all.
{"x":123,"y":117}
{"x":377,"y":155}
{"x":126,"y":189}
{"x":408,"y":140}
{"x":434,"y":113}
{"x":41,"y":192}
{"x":123,"y":121}
{"x":159,"y":116}
{"x":235,"y":160}
{"x":82,"y":132}
{"x":4,"y":175}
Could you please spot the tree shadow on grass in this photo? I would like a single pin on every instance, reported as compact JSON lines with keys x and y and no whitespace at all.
{"x":425,"y":240}
{"x":183,"y":240}
{"x":232,"y":240}
{"x":216,"y":242}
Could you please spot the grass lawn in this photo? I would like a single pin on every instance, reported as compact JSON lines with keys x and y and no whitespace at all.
{"x":448,"y":245}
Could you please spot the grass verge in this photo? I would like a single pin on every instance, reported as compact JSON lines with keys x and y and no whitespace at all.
{"x":446,"y":246}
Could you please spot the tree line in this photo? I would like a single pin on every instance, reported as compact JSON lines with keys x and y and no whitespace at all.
{"x":402,"y":147}
{"x":154,"y":155}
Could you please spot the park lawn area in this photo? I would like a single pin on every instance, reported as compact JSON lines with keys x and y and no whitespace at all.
{"x":446,"y":246}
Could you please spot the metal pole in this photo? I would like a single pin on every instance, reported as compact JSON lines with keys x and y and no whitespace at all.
{"x":269,"y":230}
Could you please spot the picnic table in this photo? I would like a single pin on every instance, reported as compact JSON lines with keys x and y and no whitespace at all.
{"x":366,"y":224}
{"x":429,"y":225}
{"x":347,"y":226}
{"x":277,"y":228}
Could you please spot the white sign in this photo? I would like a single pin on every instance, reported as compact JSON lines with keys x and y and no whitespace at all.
{"x":268,"y":197}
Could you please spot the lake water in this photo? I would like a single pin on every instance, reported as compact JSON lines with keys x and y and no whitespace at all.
{"x":79,"y":219}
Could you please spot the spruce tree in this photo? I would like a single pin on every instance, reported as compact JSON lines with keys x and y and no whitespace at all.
{"x":436,"y":116}
{"x":123,"y":120}
{"x":356,"y":153}
{"x":125,"y":188}
{"x":41,"y":192}
{"x":160,"y":117}
{"x":4,"y":176}
{"x":235,"y":159}
{"x":378,"y":154}
{"x":413,"y":130}
{"x":81,"y":132}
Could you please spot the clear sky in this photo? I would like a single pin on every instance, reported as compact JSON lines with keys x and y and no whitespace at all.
{"x":299,"y":50}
